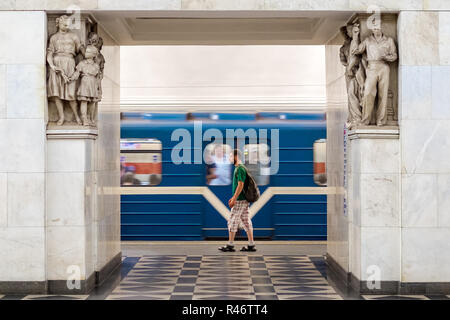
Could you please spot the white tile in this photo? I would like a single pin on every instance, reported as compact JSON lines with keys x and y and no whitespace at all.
{"x":419,"y":200}
{"x":380,"y":248}
{"x":418,"y":34}
{"x":222,"y":5}
{"x":2,"y":91}
{"x":425,"y":254}
{"x":440,"y":92}
{"x":25,"y":91}
{"x":355,"y":250}
{"x":378,"y":156}
{"x":425,"y":146}
{"x":415,"y":92}
{"x":385,"y":4}
{"x":54,"y":4}
{"x":305,"y":5}
{"x":14,"y":49}
{"x":3,"y":199}
{"x":444,"y":37}
{"x":66,"y":199}
{"x":139,"y":5}
{"x":24,"y":140}
{"x":70,"y":155}
{"x":66,"y":248}
{"x":23,"y":254}
{"x":380,"y":200}
{"x":26,"y":199}
{"x":443,"y":200}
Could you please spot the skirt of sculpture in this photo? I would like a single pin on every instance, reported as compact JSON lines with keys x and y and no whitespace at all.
{"x":56,"y":87}
{"x":88,"y":89}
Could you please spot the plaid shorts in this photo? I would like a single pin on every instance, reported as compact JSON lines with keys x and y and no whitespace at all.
{"x":239,"y":217}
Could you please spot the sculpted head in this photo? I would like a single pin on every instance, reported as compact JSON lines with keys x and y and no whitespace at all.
{"x":62,"y":23}
{"x":91,"y":52}
{"x":377,"y":31}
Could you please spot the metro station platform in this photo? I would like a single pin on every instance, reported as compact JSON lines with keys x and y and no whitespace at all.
{"x":279,"y":270}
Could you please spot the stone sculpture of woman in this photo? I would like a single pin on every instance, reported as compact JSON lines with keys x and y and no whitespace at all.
{"x":63,"y":46}
{"x":354,"y":73}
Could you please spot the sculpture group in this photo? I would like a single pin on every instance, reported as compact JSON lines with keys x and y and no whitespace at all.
{"x":367,"y":74}
{"x":77,"y":84}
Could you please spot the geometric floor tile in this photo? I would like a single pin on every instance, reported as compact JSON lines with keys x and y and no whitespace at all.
{"x":237,"y":276}
{"x":395,"y":297}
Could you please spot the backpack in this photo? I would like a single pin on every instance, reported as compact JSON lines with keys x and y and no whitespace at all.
{"x":251,"y":191}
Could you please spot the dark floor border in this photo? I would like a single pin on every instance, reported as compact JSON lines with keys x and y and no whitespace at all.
{"x":60,"y":286}
{"x":104,"y":273}
{"x":347,"y":279}
{"x":23,"y":287}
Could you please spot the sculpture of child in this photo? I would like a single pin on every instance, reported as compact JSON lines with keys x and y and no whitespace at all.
{"x":87,"y":92}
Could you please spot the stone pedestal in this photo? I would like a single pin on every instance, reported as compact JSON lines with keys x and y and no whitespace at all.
{"x":71,"y":209}
{"x":373,"y":196}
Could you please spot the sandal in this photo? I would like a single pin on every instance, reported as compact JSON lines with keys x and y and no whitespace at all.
{"x":249,"y":248}
{"x":227,"y":248}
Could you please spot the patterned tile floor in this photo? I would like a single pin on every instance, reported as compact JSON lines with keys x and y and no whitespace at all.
{"x":224,"y":277}
{"x":287,"y":271}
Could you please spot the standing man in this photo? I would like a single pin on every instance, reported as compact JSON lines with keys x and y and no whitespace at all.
{"x":380,"y":50}
{"x":239,"y":207}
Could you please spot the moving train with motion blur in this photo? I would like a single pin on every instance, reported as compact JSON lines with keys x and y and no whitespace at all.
{"x":183,"y":160}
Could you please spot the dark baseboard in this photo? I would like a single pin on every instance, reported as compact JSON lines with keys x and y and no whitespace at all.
{"x":23,"y":287}
{"x":342,"y":278}
{"x":104,"y":273}
{"x":60,"y":286}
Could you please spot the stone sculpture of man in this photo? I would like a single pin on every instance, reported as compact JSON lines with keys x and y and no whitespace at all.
{"x":380,"y":50}
{"x":63,"y":46}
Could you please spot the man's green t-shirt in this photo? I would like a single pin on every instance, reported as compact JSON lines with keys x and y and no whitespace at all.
{"x":239,"y":175}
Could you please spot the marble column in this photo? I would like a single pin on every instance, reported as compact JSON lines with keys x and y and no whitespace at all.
{"x":23,"y":151}
{"x":424,"y":116}
{"x":373,"y":197}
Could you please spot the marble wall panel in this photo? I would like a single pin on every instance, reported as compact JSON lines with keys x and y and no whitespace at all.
{"x":71,"y":155}
{"x":418,"y":38}
{"x":425,"y":255}
{"x":443,"y":200}
{"x":2,"y":91}
{"x":419,"y":200}
{"x":23,"y":254}
{"x":380,"y":200}
{"x":26,"y":199}
{"x":25,"y":89}
{"x":440,"y":92}
{"x":66,"y":247}
{"x":66,"y":204}
{"x":3,"y":199}
{"x":380,"y":247}
{"x":415,"y":96}
{"x":425,"y":147}
{"x":29,"y":26}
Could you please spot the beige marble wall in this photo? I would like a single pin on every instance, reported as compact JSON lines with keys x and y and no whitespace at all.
{"x":337,"y":222}
{"x":425,"y":148}
{"x":107,"y":218}
{"x":337,"y":5}
{"x":22,"y":145}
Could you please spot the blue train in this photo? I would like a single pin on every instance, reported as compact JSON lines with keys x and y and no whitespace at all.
{"x":182,"y":157}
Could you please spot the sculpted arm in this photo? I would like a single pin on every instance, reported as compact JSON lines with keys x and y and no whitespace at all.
{"x":360,"y":49}
{"x":391,"y":55}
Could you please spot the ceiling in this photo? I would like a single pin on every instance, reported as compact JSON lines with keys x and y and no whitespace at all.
{"x":221,"y":27}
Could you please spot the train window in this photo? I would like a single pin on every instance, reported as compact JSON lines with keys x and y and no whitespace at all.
{"x":257,"y":161}
{"x":140,"y":162}
{"x":218,"y":166}
{"x":320,"y":158}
